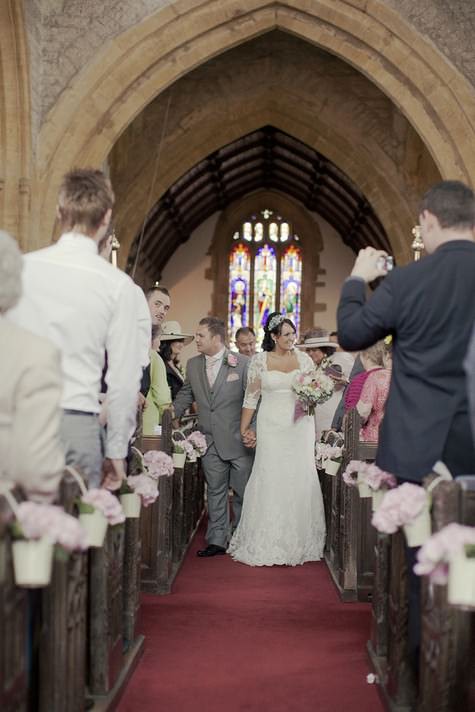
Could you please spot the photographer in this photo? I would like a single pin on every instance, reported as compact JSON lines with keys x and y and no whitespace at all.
{"x":429,"y":308}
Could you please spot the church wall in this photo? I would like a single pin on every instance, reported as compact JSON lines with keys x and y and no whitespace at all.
{"x":191,"y":291}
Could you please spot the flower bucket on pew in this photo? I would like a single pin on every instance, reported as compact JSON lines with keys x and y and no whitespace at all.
{"x":406,"y":506}
{"x":448,"y":558}
{"x":97,"y":509}
{"x":140,"y":488}
{"x":181,"y":449}
{"x":198,"y":442}
{"x":328,"y":458}
{"x":36,"y":530}
{"x":370,"y":480}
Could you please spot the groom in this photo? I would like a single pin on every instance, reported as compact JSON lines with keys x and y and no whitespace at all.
{"x":216,"y":380}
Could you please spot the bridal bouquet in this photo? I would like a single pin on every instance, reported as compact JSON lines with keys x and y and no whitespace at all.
{"x":311,"y":389}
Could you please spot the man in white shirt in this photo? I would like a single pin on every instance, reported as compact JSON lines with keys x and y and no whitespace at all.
{"x":87,"y":307}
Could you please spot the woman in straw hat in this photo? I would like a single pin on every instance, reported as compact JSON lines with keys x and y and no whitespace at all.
{"x":172,"y":342}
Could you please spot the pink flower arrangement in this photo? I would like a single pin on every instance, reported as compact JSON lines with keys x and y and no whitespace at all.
{"x":198,"y":442}
{"x":144,"y":486}
{"x":434,"y":556}
{"x":105,"y":502}
{"x":400,"y":506}
{"x":158,"y":463}
{"x":369,"y":473}
{"x":231,"y":360}
{"x":46,"y":520}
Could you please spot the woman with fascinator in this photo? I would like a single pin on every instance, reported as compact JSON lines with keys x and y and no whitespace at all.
{"x":282,"y":520}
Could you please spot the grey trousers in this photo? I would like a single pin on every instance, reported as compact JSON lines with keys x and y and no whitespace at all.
{"x":220,"y":475}
{"x":81,"y":437}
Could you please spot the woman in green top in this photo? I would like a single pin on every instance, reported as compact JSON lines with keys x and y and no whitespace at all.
{"x":158,"y":396}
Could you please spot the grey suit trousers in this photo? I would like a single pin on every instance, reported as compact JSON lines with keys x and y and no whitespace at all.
{"x":220,"y":475}
{"x":81,"y":438}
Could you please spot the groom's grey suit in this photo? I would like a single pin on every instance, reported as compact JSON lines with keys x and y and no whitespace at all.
{"x":227,"y":462}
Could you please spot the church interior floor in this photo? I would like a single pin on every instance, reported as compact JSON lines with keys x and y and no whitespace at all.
{"x":241,"y":639}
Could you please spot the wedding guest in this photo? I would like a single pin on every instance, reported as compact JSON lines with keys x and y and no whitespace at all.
{"x":158,"y":396}
{"x":246,"y":341}
{"x":88,"y":307}
{"x":317,"y":344}
{"x":158,"y":302}
{"x":31,"y":453}
{"x":321,"y":350}
{"x":172,"y":342}
{"x":372,"y":359}
{"x":374,"y":395}
{"x":337,"y":422}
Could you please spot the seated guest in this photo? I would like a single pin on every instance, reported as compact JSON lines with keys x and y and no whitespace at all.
{"x":246,"y":341}
{"x":158,"y":396}
{"x":31,"y":454}
{"x":374,"y":395}
{"x":87,"y":307}
{"x":172,"y":342}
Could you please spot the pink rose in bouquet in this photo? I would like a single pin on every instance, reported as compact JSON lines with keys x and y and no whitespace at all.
{"x":145,"y":487}
{"x":158,"y":463}
{"x":435,"y":554}
{"x":45,"y":520}
{"x":400,"y":506}
{"x":311,"y":389}
{"x":105,"y":502}
{"x":198,"y":442}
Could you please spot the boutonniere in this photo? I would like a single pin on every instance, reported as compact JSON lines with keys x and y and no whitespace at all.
{"x":231,"y":360}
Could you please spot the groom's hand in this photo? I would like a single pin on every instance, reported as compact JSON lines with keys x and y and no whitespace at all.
{"x":249,"y":438}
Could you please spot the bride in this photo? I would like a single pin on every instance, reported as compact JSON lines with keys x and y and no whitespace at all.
{"x":282,"y":520}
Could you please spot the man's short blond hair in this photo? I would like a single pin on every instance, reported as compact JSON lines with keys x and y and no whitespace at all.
{"x":84,"y":198}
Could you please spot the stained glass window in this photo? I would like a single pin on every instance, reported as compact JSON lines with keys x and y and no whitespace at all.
{"x":291,"y":283}
{"x":239,"y":282}
{"x":265,"y":273}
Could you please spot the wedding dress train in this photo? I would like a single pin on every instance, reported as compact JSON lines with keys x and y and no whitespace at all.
{"x":282,"y":519}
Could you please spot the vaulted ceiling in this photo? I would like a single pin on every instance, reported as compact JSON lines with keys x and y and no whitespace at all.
{"x":267,"y":158}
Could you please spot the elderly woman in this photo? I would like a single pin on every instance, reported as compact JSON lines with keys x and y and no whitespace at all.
{"x":30,"y":448}
{"x":374,"y":393}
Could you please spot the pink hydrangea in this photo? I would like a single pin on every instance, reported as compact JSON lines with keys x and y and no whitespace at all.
{"x":351,"y":472}
{"x":145,"y":487}
{"x":158,"y":463}
{"x":46,"y":520}
{"x":198,"y":442}
{"x":434,"y":555}
{"x":105,"y":502}
{"x":377,"y":479}
{"x":400,"y":506}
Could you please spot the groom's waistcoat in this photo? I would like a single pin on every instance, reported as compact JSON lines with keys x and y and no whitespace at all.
{"x":219,"y":407}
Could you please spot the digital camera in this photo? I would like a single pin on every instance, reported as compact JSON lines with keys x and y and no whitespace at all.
{"x":386,"y":263}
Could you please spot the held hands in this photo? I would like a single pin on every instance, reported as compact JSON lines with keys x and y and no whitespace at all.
{"x":367,"y":265}
{"x":249,"y":438}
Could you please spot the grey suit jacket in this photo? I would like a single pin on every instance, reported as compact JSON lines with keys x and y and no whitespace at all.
{"x":219,"y":408}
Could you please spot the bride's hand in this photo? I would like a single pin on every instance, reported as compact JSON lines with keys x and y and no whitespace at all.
{"x":249,"y":438}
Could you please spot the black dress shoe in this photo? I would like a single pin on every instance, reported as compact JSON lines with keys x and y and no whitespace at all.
{"x":211,"y":550}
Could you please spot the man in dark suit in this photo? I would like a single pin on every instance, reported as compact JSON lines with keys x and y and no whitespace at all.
{"x":429,"y":308}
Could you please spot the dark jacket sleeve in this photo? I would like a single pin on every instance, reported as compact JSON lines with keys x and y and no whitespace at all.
{"x":362,"y":322}
{"x":470,"y":371}
{"x":184,"y":398}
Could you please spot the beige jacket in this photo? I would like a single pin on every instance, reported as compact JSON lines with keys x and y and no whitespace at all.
{"x":31,"y":454}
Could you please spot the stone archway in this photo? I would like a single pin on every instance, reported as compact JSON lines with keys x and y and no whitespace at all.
{"x":15,"y":137}
{"x":140,"y":63}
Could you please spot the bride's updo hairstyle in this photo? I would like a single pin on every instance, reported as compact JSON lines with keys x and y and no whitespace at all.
{"x":274,"y":324}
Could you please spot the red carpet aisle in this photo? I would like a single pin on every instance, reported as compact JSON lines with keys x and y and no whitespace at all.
{"x":237,"y":639}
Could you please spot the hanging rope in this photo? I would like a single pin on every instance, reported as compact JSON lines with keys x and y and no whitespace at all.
{"x":152,"y":184}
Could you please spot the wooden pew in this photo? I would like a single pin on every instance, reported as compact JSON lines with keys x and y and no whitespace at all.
{"x":13,"y":627}
{"x":350,"y":555}
{"x":447,"y":645}
{"x":62,"y":640}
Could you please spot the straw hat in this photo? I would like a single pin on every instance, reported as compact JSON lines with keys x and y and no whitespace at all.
{"x":316,"y":342}
{"x":171,"y":331}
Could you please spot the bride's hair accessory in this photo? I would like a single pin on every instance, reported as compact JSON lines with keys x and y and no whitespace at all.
{"x":275,"y":321}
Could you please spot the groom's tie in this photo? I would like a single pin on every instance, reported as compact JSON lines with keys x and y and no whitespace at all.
{"x":212,"y":368}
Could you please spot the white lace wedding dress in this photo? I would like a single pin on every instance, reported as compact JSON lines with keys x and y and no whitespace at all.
{"x":282,"y":520}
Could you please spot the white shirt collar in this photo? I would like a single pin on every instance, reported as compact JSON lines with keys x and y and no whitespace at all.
{"x":217,"y":357}
{"x":82,"y":242}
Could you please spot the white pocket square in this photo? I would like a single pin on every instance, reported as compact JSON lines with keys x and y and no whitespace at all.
{"x":233,"y":377}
